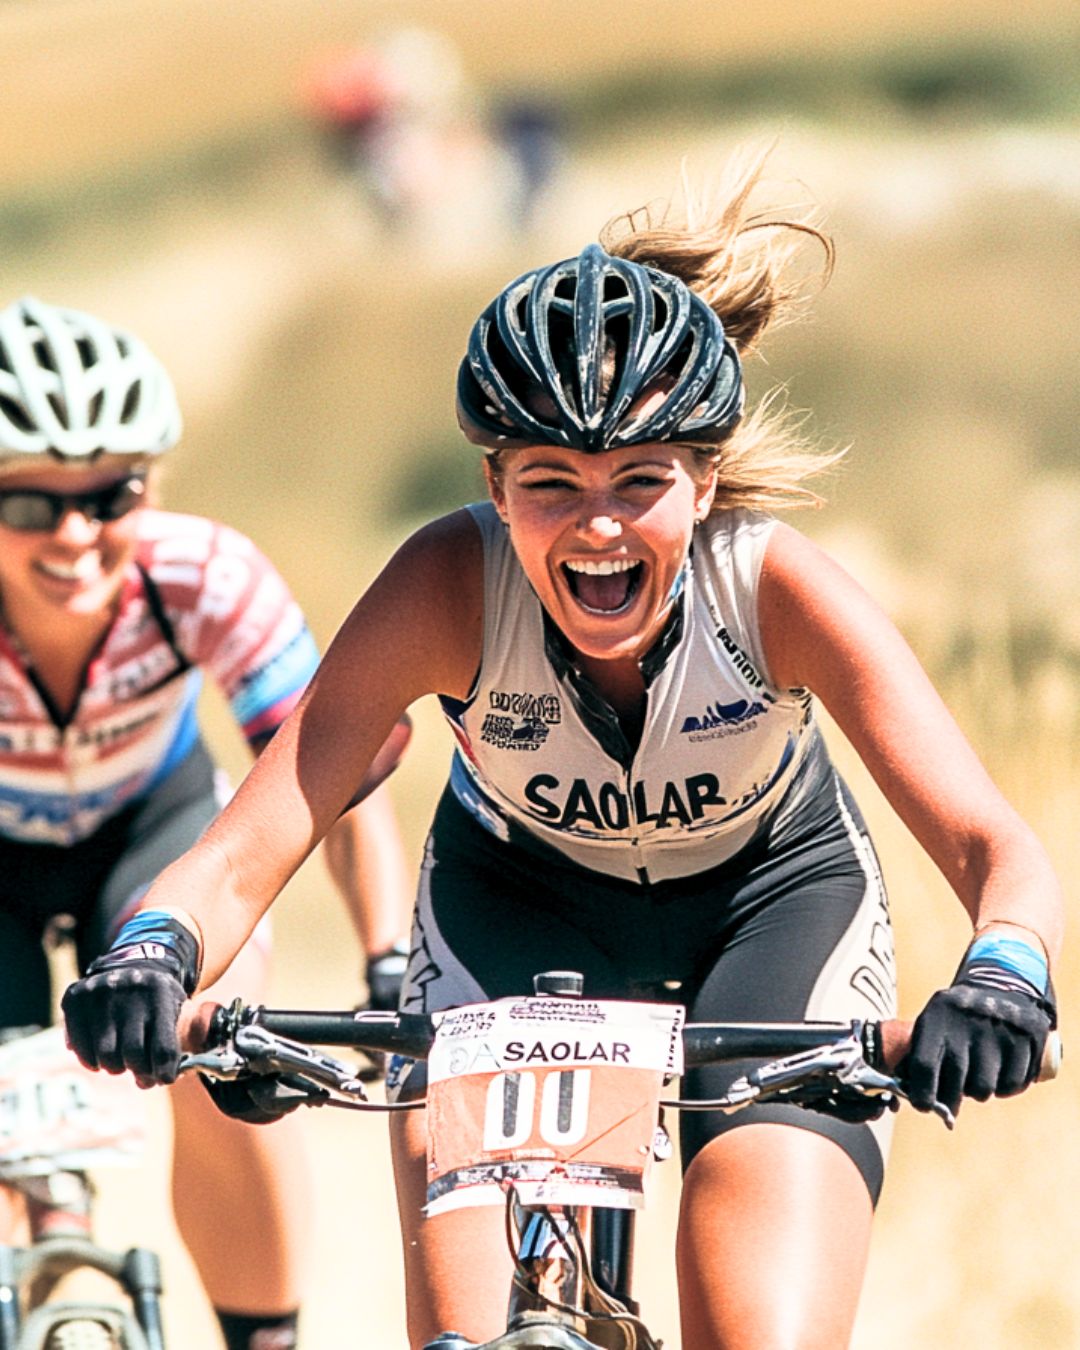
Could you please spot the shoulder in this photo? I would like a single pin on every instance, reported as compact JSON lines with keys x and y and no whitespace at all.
{"x":447,"y":553}
{"x":814,"y":614}
{"x":211,"y":579}
{"x":428,"y":603}
{"x":793,"y":566}
{"x":165,"y":537}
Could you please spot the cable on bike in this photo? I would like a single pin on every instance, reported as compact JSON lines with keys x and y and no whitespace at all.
{"x":599,"y":1305}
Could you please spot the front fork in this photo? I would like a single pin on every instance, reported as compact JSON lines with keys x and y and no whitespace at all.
{"x":137,"y":1271}
{"x":549,"y":1299}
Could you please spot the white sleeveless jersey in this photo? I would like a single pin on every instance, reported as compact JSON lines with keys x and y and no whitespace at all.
{"x":539,"y":749}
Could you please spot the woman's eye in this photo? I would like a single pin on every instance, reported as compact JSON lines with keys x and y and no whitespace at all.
{"x":545,"y":484}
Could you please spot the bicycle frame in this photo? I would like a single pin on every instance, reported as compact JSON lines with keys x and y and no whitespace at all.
{"x":137,"y":1271}
{"x":549,"y":1305}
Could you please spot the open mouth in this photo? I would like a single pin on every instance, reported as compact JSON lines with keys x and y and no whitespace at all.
{"x":604,"y":586}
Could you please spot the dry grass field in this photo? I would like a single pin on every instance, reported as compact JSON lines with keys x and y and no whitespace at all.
{"x":314,"y":355}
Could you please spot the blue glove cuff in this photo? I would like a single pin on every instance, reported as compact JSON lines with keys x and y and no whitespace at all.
{"x":1005,"y":961}
{"x":154,"y":935}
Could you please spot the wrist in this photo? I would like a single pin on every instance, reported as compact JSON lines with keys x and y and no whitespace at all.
{"x":1011,"y":928}
{"x":397,"y":952}
{"x":158,"y":935}
{"x":1006,"y":960}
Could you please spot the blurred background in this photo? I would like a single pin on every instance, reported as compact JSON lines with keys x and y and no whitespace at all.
{"x":302,"y":204}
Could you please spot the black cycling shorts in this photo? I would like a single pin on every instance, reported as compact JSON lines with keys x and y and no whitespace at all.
{"x":96,"y":881}
{"x":790,"y":928}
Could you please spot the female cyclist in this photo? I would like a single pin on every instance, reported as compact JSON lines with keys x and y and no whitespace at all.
{"x":109,"y":612}
{"x":630,"y":651}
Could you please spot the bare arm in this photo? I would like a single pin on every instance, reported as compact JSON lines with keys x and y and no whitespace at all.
{"x":416,"y":631}
{"x":366,"y":858}
{"x":820,"y":630}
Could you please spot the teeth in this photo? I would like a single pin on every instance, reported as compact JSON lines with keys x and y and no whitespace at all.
{"x":69,"y":571}
{"x":603,"y":568}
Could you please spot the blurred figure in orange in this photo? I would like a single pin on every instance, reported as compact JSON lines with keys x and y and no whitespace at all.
{"x":403,"y":118}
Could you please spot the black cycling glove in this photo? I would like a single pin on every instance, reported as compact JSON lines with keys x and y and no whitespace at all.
{"x":122,"y":1014}
{"x":385,"y":976}
{"x":261,"y":1099}
{"x":984,"y":1036}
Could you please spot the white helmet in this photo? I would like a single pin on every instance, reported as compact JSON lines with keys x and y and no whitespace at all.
{"x":73,"y":387}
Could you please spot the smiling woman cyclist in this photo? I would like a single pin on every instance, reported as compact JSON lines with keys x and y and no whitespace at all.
{"x":110,"y":610}
{"x":630,"y":650}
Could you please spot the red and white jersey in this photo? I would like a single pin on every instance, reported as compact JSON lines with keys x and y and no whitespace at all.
{"x":198,"y":595}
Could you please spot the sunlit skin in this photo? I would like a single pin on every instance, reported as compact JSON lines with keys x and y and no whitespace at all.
{"x":74,"y":572}
{"x":637,"y":504}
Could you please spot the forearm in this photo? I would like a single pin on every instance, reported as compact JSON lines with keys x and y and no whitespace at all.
{"x":1009,"y":883}
{"x":366,"y":859}
{"x":198,"y":890}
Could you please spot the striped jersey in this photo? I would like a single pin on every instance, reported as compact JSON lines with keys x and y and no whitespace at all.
{"x":197,"y":596}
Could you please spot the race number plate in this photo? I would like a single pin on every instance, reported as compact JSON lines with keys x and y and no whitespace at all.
{"x":555,"y":1096}
{"x":57,"y":1116}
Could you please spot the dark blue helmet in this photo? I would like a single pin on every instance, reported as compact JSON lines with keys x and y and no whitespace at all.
{"x":534,"y":371}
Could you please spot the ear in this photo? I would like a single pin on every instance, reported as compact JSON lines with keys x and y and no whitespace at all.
{"x":495,"y":489}
{"x":704,"y":497}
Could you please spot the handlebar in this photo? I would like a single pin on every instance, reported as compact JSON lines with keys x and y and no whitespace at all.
{"x":808,"y":1063}
{"x":411,"y":1034}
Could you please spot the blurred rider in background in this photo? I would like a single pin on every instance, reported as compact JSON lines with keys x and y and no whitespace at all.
{"x":401,"y":116}
{"x":110,"y":611}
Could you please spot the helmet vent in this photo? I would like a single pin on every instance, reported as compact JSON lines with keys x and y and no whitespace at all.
{"x":615,"y":288}
{"x":44,"y":354}
{"x":15,"y":413}
{"x":683,"y":354}
{"x":131,"y":405}
{"x":59,"y":407}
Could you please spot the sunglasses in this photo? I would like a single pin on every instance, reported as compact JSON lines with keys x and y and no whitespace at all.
{"x":34,"y":509}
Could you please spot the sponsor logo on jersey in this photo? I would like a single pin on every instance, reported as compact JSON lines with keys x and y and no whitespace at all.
{"x":723,"y":716}
{"x":609,"y":807}
{"x":506,"y":734}
{"x":530,"y":707}
{"x":739,"y":658}
{"x":519,"y":721}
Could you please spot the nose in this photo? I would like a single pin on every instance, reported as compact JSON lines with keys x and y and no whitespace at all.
{"x":76,"y":527}
{"x":599,"y":520}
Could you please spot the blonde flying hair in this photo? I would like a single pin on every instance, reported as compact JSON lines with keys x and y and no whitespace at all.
{"x":742,"y":261}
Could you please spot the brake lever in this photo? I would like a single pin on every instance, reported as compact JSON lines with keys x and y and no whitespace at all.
{"x":224,"y":1064}
{"x":842,"y":1061}
{"x":255,"y":1050}
{"x":266,"y":1053}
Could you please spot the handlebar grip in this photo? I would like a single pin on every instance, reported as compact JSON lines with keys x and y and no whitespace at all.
{"x":896,"y":1041}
